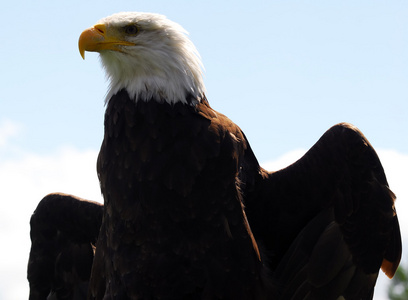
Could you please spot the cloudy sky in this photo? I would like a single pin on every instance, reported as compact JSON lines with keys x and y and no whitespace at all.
{"x":284,"y":71}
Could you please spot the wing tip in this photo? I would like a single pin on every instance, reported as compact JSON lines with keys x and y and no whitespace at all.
{"x":389,"y":268}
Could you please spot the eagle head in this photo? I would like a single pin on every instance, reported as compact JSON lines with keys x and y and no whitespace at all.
{"x":148,"y":55}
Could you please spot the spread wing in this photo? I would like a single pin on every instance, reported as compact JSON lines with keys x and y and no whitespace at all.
{"x":64,"y":229}
{"x":327,"y":223}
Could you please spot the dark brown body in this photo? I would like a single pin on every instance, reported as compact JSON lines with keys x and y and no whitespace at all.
{"x":174,"y":225}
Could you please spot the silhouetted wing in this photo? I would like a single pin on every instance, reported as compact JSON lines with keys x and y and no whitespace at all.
{"x":64,"y":229}
{"x":327,"y":223}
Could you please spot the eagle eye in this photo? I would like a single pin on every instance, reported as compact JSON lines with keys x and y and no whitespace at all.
{"x":131,"y":29}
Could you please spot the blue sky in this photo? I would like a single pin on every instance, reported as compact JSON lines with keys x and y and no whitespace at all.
{"x":284,"y":71}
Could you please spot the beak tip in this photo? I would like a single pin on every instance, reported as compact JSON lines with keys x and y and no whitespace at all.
{"x":86,"y":40}
{"x":81,"y":49}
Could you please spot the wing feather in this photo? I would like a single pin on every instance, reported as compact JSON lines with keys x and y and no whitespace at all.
{"x":64,"y":229}
{"x":326,"y":223}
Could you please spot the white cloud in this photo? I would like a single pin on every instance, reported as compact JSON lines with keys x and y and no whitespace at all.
{"x":8,"y":129}
{"x":396,"y":168}
{"x":30,"y":177}
{"x":283,"y":161}
{"x":24,"y":183}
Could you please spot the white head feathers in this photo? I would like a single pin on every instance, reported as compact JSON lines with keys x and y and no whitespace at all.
{"x":163,"y":63}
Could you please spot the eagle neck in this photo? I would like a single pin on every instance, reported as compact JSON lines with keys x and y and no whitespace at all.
{"x":186,"y":98}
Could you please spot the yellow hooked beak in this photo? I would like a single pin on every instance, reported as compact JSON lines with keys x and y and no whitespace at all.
{"x":97,"y":38}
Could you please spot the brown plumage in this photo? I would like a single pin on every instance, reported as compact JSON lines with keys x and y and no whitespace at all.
{"x":169,"y":179}
{"x":328,"y":221}
{"x":64,"y":229}
{"x":190,"y":214}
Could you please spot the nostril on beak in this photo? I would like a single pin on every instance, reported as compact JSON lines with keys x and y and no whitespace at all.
{"x":100,"y":28}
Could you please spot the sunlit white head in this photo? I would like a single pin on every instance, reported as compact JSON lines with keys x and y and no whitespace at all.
{"x":148,"y":55}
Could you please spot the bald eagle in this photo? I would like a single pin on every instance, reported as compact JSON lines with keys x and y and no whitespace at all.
{"x":189,"y":213}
